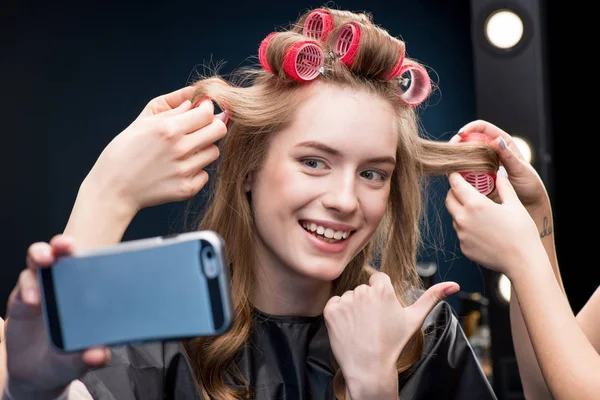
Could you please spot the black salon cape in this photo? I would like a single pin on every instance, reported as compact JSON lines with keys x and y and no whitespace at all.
{"x":289,"y":358}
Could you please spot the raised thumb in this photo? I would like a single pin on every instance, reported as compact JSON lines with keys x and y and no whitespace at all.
{"x":432,"y":296}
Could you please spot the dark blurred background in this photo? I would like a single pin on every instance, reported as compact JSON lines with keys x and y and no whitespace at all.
{"x":73,"y":75}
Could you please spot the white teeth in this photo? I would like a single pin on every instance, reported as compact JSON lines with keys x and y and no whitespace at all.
{"x":327,"y":232}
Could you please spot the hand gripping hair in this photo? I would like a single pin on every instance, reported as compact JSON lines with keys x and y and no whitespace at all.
{"x":326,"y":37}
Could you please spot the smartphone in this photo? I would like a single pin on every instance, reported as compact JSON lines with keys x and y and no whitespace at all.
{"x":162,"y":288}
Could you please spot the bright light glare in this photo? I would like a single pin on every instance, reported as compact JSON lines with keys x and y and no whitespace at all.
{"x":504,"y":288}
{"x":524,"y":147}
{"x":504,"y":29}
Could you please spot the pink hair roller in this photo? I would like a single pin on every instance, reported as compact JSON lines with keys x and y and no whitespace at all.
{"x":483,"y":182}
{"x":303,"y":61}
{"x":396,"y":70}
{"x":420,"y":84}
{"x":262,"y":51}
{"x":347,"y":43}
{"x":318,"y":25}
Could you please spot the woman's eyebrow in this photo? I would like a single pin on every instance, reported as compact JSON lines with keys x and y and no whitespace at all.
{"x":319,"y":146}
{"x":330,"y":150}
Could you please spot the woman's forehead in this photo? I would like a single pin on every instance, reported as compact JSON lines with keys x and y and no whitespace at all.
{"x":338,"y":115}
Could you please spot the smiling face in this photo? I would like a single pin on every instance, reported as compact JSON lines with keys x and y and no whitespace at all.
{"x":324,"y":185}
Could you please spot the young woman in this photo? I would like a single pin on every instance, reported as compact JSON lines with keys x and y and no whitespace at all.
{"x":514,"y":235}
{"x":319,"y":181}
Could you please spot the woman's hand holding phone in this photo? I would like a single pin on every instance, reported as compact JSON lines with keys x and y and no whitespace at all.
{"x":35,"y":371}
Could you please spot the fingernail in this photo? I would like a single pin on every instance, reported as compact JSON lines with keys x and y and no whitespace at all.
{"x":45,"y":252}
{"x":31,"y":295}
{"x":450,"y":290}
{"x":502,"y":171}
{"x":461,"y":130}
{"x":223,"y":116}
{"x":502,"y":144}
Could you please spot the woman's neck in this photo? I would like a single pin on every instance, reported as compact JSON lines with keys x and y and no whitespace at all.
{"x":282,"y":291}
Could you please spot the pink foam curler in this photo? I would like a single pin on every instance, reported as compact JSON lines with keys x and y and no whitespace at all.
{"x":347,"y":43}
{"x":262,"y":51}
{"x":419,"y":84}
{"x":396,"y":70}
{"x":303,"y":61}
{"x":483,"y":182}
{"x":318,"y":25}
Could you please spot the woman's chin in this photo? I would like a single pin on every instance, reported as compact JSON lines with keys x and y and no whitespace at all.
{"x":322,"y":271}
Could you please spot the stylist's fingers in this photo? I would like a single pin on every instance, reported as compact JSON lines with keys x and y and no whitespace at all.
{"x":513,"y":162}
{"x":455,"y":139}
{"x":505,"y":189}
{"x":452,"y":204}
{"x":491,"y":130}
{"x":169,"y":101}
{"x":485,"y":127}
{"x":204,"y":136}
{"x":201,"y":159}
{"x":196,"y":118}
{"x":463,"y":190}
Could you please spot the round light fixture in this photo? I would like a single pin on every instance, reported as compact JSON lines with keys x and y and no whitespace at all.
{"x":524,"y":147}
{"x":504,"y":29}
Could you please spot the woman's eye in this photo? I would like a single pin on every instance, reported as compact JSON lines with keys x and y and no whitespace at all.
{"x":313,"y":164}
{"x":373,"y":175}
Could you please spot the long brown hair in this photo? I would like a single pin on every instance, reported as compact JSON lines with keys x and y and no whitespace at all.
{"x":264,"y":104}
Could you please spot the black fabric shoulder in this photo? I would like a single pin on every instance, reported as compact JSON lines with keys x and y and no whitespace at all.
{"x":154,"y":371}
{"x":448,"y":367}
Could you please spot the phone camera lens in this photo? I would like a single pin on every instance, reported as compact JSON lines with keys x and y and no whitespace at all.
{"x":210,"y":263}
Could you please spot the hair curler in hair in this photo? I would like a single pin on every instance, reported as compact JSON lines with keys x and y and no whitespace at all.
{"x":302,"y":61}
{"x":318,"y":25}
{"x":419,"y":84}
{"x":262,"y":51}
{"x":482,"y":181}
{"x":348,"y":40}
{"x":396,"y":70}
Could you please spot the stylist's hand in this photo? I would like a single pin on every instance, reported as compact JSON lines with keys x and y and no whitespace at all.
{"x":161,"y":156}
{"x":35,"y":370}
{"x":499,"y":236}
{"x":526,"y":182}
{"x":368,"y":329}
